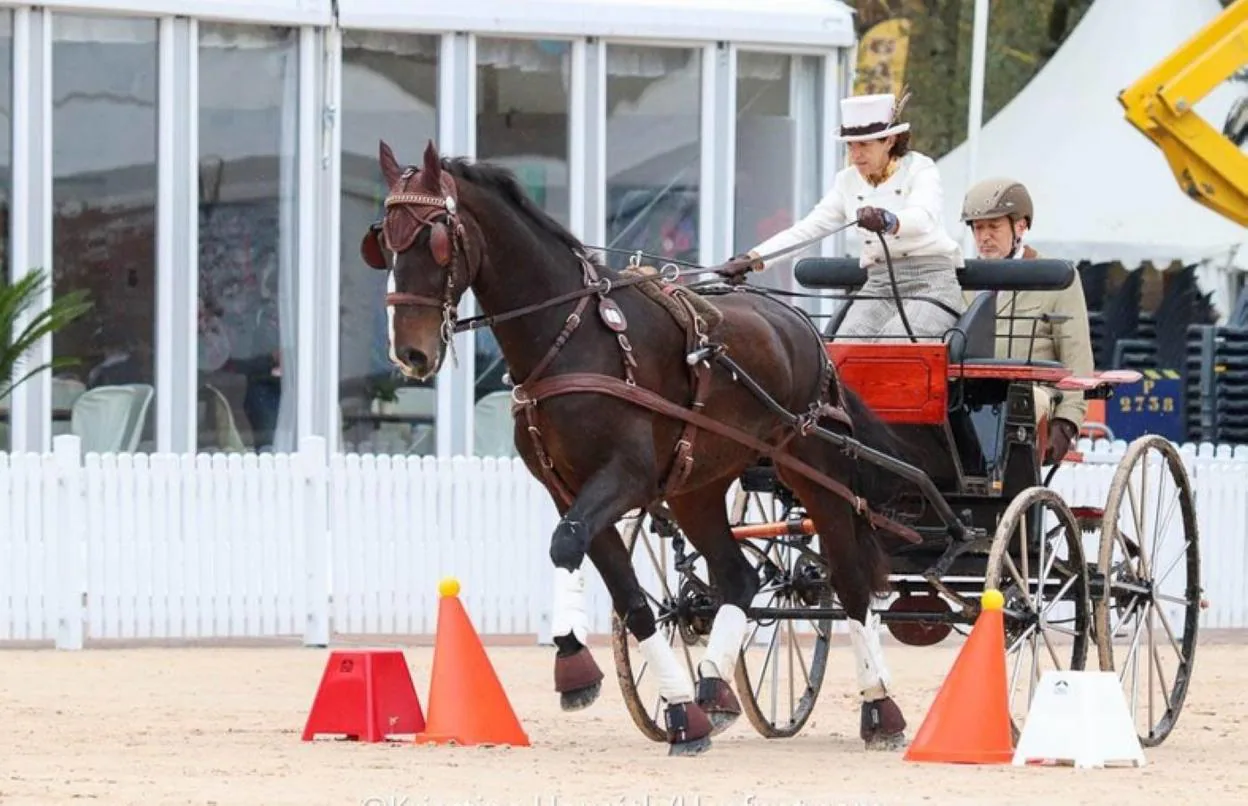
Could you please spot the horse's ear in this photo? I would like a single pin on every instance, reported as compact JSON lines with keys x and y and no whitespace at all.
{"x":389,"y":165}
{"x":431,"y":176}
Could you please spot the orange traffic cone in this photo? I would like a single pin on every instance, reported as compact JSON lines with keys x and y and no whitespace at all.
{"x":467,"y":704}
{"x":969,"y":722}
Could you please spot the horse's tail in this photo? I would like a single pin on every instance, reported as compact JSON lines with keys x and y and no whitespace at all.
{"x":877,"y":485}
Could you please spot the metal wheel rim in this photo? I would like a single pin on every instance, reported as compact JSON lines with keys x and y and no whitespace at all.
{"x":1138,"y":619}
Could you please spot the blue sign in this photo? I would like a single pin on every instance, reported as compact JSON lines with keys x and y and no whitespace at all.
{"x":1152,"y":405}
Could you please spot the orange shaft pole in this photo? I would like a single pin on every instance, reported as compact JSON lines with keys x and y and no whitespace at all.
{"x":776,"y":529}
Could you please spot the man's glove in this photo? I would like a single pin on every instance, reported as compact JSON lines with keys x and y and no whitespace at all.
{"x":1061,"y":434}
{"x":735,"y":270}
{"x":876,"y":219}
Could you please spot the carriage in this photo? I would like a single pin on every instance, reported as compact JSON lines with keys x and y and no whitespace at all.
{"x":978,"y":512}
{"x":1114,"y":586}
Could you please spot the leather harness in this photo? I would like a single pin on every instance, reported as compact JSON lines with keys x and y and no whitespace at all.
{"x":408,"y":213}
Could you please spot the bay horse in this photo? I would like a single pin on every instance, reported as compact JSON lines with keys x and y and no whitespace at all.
{"x":616,"y":410}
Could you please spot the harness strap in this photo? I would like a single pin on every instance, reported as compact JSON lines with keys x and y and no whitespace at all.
{"x":593,"y":383}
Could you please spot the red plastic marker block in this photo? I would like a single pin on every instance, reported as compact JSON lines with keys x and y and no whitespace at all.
{"x":365,"y":694}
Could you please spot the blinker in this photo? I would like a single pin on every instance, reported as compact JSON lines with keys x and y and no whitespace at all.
{"x":440,"y":243}
{"x":370,"y":248}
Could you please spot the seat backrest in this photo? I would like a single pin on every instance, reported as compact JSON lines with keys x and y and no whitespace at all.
{"x":975,"y":333}
{"x":102,"y":419}
{"x":227,"y":436}
{"x":1009,"y":274}
{"x":142,"y":394}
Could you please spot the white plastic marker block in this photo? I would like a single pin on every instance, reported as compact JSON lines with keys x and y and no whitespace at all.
{"x":1080,"y":718}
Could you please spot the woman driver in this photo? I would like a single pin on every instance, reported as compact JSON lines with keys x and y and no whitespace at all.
{"x":893,"y":193}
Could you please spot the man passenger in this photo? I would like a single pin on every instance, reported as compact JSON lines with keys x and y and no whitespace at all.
{"x":1000,"y":212}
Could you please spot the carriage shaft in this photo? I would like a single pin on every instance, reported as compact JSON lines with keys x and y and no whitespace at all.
{"x":857,"y":449}
{"x":839,"y":614}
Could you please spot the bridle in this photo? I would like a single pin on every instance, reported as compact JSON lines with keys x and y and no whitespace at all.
{"x":408,"y":214}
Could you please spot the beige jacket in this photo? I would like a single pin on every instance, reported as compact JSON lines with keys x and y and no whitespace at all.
{"x":1069,"y":342}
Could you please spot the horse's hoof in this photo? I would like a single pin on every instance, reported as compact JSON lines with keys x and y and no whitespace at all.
{"x":890,"y":742}
{"x":688,"y":729}
{"x":577,"y":679}
{"x":883,"y":726}
{"x":718,"y":702}
{"x":694,"y":747}
{"x":580,"y":699}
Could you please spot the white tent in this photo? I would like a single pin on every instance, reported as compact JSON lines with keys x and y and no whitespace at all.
{"x":1103,"y":191}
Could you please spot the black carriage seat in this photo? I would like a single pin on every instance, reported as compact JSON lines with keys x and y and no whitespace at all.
{"x":973,"y":336}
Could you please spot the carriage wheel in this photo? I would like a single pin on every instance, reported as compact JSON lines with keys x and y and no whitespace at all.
{"x":1037,"y":563}
{"x":780,"y":668}
{"x":670,"y":593}
{"x":1151,"y":563}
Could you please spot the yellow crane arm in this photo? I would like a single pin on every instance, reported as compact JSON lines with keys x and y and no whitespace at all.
{"x":1161,"y":104}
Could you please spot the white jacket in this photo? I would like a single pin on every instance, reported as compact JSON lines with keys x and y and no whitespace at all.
{"x":913,"y":194}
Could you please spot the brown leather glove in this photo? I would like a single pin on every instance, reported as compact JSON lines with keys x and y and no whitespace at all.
{"x":735,"y":270}
{"x":1062,"y":434}
{"x":876,"y":219}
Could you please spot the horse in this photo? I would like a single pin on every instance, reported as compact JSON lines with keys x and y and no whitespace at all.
{"x":617,"y":409}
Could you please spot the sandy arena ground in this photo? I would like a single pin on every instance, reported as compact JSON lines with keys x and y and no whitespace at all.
{"x":222,"y":726}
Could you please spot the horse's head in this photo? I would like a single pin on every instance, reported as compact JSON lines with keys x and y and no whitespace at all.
{"x":422,"y":232}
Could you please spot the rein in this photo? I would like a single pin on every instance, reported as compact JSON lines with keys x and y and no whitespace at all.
{"x":605,"y":285}
{"x":408,"y":213}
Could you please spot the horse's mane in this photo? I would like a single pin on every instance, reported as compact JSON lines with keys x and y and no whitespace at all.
{"x":504,"y":183}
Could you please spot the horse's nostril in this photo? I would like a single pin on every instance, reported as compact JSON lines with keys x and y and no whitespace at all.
{"x":416,"y":359}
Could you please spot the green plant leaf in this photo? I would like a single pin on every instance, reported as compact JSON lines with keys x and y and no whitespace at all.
{"x":16,"y":303}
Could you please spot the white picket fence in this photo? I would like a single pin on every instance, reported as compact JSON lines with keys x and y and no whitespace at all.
{"x":315,"y":546}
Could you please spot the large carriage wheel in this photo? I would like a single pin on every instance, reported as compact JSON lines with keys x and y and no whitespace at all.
{"x":1150,"y":561}
{"x":1037,"y":563}
{"x":780,"y":669}
{"x":671,"y":593}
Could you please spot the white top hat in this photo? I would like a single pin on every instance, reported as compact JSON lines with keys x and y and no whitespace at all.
{"x":870,"y":117}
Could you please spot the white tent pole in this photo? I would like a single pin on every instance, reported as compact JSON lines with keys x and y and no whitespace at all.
{"x":975,"y":113}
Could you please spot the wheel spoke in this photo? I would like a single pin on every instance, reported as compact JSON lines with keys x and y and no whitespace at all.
{"x":1161,"y":673}
{"x":1174,"y":564}
{"x":1165,"y":625}
{"x":1057,"y":598}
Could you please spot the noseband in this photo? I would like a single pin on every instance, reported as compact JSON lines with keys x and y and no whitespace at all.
{"x":408,"y":214}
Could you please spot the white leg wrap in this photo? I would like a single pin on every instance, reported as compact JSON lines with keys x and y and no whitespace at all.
{"x":569,"y":612}
{"x":873,"y":677}
{"x":724,"y":645}
{"x":674,"y":684}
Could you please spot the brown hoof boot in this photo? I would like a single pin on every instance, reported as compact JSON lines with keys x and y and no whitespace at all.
{"x":717,"y":701}
{"x":577,"y":679}
{"x":883,"y":726}
{"x":688,"y":729}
